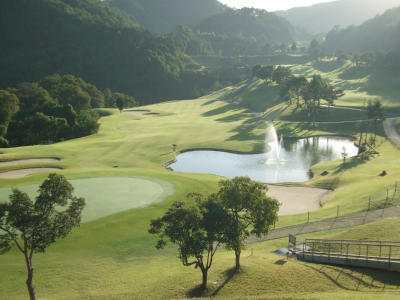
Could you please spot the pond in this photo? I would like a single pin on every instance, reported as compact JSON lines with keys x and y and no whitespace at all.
{"x":285,"y":161}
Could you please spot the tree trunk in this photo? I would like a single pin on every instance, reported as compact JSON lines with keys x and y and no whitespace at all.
{"x":237,"y":260}
{"x":204,"y":283}
{"x":29,"y":281}
{"x":360,"y":140}
{"x":31,"y":290}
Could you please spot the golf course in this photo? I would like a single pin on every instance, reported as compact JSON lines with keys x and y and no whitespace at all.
{"x":121,"y":173}
{"x":186,"y":149}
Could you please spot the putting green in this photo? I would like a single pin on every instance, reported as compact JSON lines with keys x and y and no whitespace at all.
{"x":109,"y":195}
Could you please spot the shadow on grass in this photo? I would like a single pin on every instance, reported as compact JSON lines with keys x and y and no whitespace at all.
{"x":220,"y":110}
{"x":355,"y":73}
{"x":327,"y":66}
{"x":367,"y":278}
{"x":233,"y":118}
{"x":245,"y":132}
{"x":289,"y":129}
{"x":228,"y":274}
{"x":280,"y":262}
{"x":198,"y":292}
{"x":351,"y":163}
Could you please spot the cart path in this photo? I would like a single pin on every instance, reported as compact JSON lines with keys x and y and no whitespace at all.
{"x":333,"y":223}
{"x":390,"y":129}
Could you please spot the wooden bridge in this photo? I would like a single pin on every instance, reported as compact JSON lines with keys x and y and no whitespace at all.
{"x":370,"y":254}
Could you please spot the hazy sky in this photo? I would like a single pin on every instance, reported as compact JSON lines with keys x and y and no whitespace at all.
{"x":271,"y":5}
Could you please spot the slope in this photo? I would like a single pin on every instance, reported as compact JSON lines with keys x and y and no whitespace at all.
{"x":323,"y":17}
{"x":163,"y":16}
{"x":88,"y":39}
{"x":381,"y":33}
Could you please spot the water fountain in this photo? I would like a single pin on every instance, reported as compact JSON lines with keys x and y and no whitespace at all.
{"x":274,"y":144}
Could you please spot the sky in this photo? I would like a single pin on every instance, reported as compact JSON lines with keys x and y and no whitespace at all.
{"x":271,"y":5}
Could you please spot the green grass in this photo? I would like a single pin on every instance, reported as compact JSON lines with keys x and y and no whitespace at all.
{"x":114,"y":257}
{"x":99,"y":261}
{"x":289,"y":112}
{"x":110,"y":195}
{"x":257,"y":95}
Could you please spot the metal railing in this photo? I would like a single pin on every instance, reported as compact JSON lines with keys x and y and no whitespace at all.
{"x":386,"y":251}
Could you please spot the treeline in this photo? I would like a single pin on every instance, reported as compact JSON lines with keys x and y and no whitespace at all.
{"x":306,"y":93}
{"x":380,"y":52}
{"x":385,"y":30}
{"x":53,"y":109}
{"x":246,"y":31}
{"x":163,"y":16}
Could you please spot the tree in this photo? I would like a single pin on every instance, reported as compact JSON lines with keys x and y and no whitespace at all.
{"x":32,"y":97}
{"x":256,"y":71}
{"x":376,"y":115}
{"x":315,"y":50}
{"x":251,"y":211}
{"x":34,"y":226}
{"x":292,"y":88}
{"x":122,"y":100}
{"x":265,"y":72}
{"x":8,"y":106}
{"x":281,"y":74}
{"x":197,"y":229}
{"x":120,"y":104}
{"x":294,"y":47}
{"x":331,"y":94}
{"x":318,"y":88}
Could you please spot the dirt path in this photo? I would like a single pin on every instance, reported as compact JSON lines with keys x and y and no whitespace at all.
{"x":297,"y":200}
{"x":27,"y":161}
{"x":390,"y":129}
{"x":334,"y":223}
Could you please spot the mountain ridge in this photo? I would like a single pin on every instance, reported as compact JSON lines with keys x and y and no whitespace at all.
{"x":322,"y":17}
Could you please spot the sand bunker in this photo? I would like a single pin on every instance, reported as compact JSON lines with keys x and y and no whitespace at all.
{"x":27,"y":161}
{"x":25,"y":172}
{"x":297,"y":200}
{"x":139,"y":112}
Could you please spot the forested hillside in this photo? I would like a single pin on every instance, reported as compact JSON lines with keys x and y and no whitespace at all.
{"x":250,"y":22}
{"x":89,"y":39}
{"x":321,"y":18}
{"x":381,"y":33}
{"x":247,"y":31}
{"x":163,"y":16}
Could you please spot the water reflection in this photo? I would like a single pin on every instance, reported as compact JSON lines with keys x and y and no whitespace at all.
{"x":293,"y":165}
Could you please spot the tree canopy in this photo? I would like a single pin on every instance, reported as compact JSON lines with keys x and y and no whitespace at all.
{"x":197,"y":229}
{"x":250,"y":209}
{"x":56,"y":108}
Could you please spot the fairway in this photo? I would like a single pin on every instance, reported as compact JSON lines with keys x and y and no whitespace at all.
{"x":110,"y":195}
